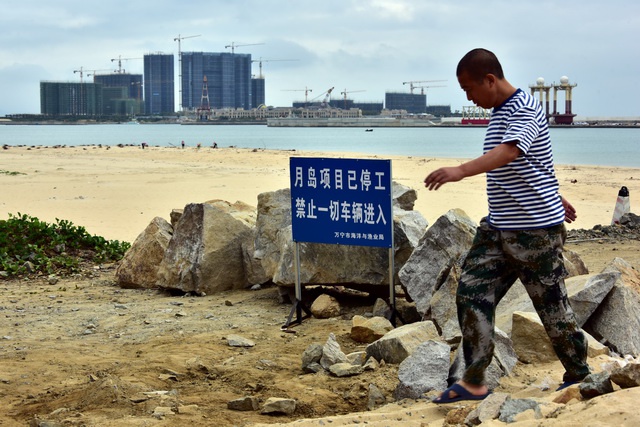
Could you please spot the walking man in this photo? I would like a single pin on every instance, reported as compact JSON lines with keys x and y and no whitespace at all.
{"x":522,"y":236}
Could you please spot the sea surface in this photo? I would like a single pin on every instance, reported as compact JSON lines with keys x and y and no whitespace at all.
{"x":618,"y":147}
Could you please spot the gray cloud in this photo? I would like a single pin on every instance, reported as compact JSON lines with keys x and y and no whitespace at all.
{"x":368,"y":45}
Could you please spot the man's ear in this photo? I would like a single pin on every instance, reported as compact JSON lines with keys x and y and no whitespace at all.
{"x":491,"y":79}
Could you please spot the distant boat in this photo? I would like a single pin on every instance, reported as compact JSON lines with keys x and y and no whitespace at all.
{"x":133,"y":122}
{"x":368,"y":130}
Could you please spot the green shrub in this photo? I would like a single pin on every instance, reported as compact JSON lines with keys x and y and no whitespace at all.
{"x":30,"y":246}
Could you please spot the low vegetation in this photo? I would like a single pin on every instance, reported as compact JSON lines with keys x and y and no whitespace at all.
{"x":5,"y":172}
{"x":29,"y":246}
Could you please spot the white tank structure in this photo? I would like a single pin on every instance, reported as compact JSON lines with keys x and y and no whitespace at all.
{"x":543,"y":94}
{"x":543,"y":90}
{"x":567,"y":117}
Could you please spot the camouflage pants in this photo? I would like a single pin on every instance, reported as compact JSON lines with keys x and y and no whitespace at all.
{"x":496,"y":259}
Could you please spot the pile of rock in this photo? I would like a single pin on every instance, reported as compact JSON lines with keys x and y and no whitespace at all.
{"x":215,"y":246}
{"x":627,"y":229}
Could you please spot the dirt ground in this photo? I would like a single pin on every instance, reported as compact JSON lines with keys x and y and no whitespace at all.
{"x":83,"y":352}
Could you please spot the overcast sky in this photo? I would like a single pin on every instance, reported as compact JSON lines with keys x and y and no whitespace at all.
{"x":370,"y":46}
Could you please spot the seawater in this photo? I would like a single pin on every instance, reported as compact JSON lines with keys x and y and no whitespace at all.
{"x":618,"y":147}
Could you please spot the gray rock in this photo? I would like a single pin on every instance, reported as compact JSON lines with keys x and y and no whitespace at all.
{"x":443,"y":311}
{"x":331,"y":353}
{"x":139,"y":266}
{"x":512,"y":407}
{"x":325,"y":307}
{"x":585,"y":294}
{"x":354,"y":266}
{"x":358,"y":358}
{"x":426,"y":369}
{"x":627,"y":376}
{"x":312,"y":354}
{"x":595,"y":385}
{"x":248,"y":403}
{"x":487,"y":410}
{"x":376,"y":397}
{"x":239,"y":341}
{"x":403,"y":197}
{"x":345,"y":369}
{"x":442,"y":246}
{"x":365,"y":330}
{"x":399,"y":343}
{"x":504,"y":352}
{"x":205,"y":253}
{"x":278,"y":405}
{"x":616,"y":321}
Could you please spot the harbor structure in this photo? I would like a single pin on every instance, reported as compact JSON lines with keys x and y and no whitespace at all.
{"x":543,"y":92}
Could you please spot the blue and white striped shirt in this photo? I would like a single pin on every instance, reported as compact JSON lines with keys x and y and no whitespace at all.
{"x":524,"y":193}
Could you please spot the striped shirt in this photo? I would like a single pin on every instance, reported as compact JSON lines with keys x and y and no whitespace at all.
{"x":524,"y":193}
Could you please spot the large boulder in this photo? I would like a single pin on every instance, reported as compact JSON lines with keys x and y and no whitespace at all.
{"x":616,"y":321}
{"x":205,"y":254}
{"x":585,"y":294}
{"x":139,"y":266}
{"x":444,"y":244}
{"x":398,"y":344}
{"x":355,"y":266}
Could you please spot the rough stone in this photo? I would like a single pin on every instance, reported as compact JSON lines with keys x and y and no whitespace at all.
{"x":444,"y":243}
{"x":205,"y":253}
{"x":325,"y":307}
{"x":399,"y":343}
{"x":426,"y":369}
{"x":247,"y":403}
{"x":331,"y":353}
{"x":627,"y":376}
{"x":278,"y":405}
{"x":369,"y":330}
{"x":139,"y":267}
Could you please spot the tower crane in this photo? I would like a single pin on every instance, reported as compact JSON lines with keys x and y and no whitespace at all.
{"x":93,"y":73}
{"x":422,"y":88}
{"x":413,"y":86}
{"x":79,"y":71}
{"x":345,"y":92}
{"x":260,"y":61}
{"x":306,"y":91}
{"x":233,"y":45}
{"x":179,"y":40}
{"x":120,"y":59}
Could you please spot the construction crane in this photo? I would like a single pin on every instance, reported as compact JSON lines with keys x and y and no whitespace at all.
{"x":422,"y":88}
{"x":79,"y":71}
{"x":93,"y":73}
{"x":327,"y":95}
{"x":179,"y":40}
{"x":120,"y":59}
{"x":413,"y":86}
{"x":345,"y":92}
{"x":306,"y":91}
{"x":260,"y":61}
{"x":233,"y":46}
{"x":325,"y":101}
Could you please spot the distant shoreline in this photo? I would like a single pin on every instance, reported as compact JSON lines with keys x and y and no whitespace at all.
{"x":600,"y":125}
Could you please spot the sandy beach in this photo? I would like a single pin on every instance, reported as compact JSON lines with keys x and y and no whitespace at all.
{"x":80,"y":350}
{"x":115,"y":192}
